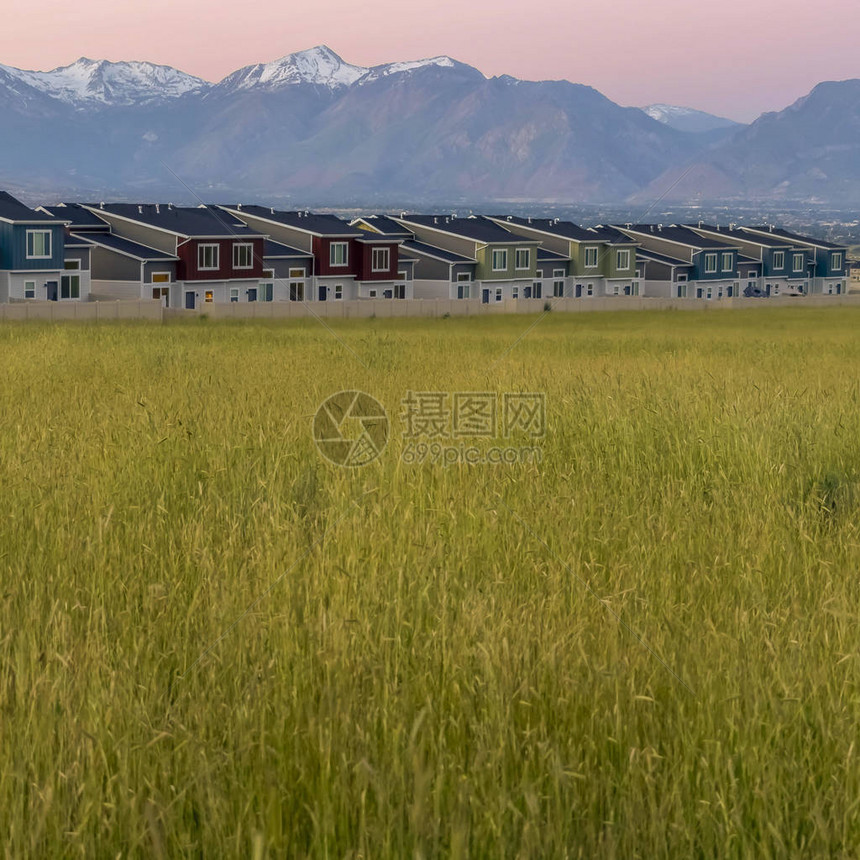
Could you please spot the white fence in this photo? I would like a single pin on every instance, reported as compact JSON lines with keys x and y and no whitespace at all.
{"x":98,"y":311}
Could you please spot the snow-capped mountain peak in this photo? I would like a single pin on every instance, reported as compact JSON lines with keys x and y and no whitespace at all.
{"x":90,"y":82}
{"x":389,"y":69}
{"x":687,"y":119}
{"x":319,"y":65}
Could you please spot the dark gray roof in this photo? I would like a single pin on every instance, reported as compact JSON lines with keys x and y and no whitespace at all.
{"x":742,"y":235}
{"x":81,"y":218}
{"x":645,"y":254}
{"x":277,"y":250}
{"x":387,"y":226}
{"x":679,"y":234}
{"x":320,"y":225}
{"x":403,"y":259}
{"x":477,"y":229}
{"x":553,"y":226}
{"x":797,"y":237}
{"x":78,"y":242}
{"x":432,"y":251}
{"x":611,"y":235}
{"x":208,"y":221}
{"x":748,"y":261}
{"x":546,"y":254}
{"x":14,"y":210}
{"x":127,"y":247}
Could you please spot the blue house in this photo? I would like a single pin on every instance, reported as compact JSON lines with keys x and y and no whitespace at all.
{"x":32,"y":254}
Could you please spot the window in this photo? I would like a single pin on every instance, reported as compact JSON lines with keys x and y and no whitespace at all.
{"x":70,"y":287}
{"x":524,"y":258}
{"x":463,"y":291}
{"x":727,"y":261}
{"x":372,"y":293}
{"x":538,"y":273}
{"x":208,"y":258}
{"x":161,"y":294}
{"x":558,"y":273}
{"x":380,"y":259}
{"x":403,"y":276}
{"x":836,"y":261}
{"x":591,"y":258}
{"x":500,"y":260}
{"x":294,"y":273}
{"x":589,"y":290}
{"x":498,"y":294}
{"x":615,"y":290}
{"x":537,"y":288}
{"x":463,"y":276}
{"x":297,"y":291}
{"x":270,"y":273}
{"x":797,"y":263}
{"x":779,"y":259}
{"x":682,"y":279}
{"x":387,"y":294}
{"x":39,"y":245}
{"x":710,"y":294}
{"x":161,"y":277}
{"x":682,"y":291}
{"x":29,"y":289}
{"x":210,"y":296}
{"x":622,"y":260}
{"x":400,"y":291}
{"x":515,"y":293}
{"x":338,"y":291}
{"x":635,"y":289}
{"x":72,"y":265}
{"x":234,"y":294}
{"x":558,"y":289}
{"x":243,"y":256}
{"x":338,"y":254}
{"x":710,"y":263}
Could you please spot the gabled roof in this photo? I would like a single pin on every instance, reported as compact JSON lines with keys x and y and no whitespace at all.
{"x":797,"y":237}
{"x":437,"y":253}
{"x":308,"y":222}
{"x":645,"y":254}
{"x":611,"y":235}
{"x":681,"y":235}
{"x":127,"y":248}
{"x":78,"y":242}
{"x":384,"y":225}
{"x":278,"y":251}
{"x":80,"y":217}
{"x":748,"y":261}
{"x":481,"y":229}
{"x":742,"y":235}
{"x":191,"y":222}
{"x":15,"y":212}
{"x":551,"y":226}
{"x":546,"y":254}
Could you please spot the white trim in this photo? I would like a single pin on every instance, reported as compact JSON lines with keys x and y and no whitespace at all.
{"x":585,"y":253}
{"x":528,"y":265}
{"x":331,"y":247}
{"x":49,"y":255}
{"x":237,"y":246}
{"x":493,"y":253}
{"x":386,"y":252}
{"x":711,"y":256}
{"x":216,"y":257}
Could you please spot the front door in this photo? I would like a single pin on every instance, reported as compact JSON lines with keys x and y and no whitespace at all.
{"x":322,"y":294}
{"x":579,"y":291}
{"x":189,"y":300}
{"x":485,"y":297}
{"x":252,"y":295}
{"x":52,"y":291}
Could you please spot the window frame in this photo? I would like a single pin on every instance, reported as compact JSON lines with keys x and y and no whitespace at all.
{"x":374,"y":267}
{"x":216,"y":256}
{"x":503,"y":253}
{"x":727,"y":260}
{"x":29,"y":286}
{"x":626,"y":256}
{"x":333,"y":246}
{"x":711,"y":263}
{"x":836,"y":261}
{"x":586,"y":252}
{"x":72,"y":285}
{"x":779,"y":255}
{"x":32,"y":255}
{"x":528,"y":259}
{"x":241,"y":246}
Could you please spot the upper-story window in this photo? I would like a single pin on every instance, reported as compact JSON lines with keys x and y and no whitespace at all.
{"x":727,"y":261}
{"x":338,"y":254}
{"x":500,"y":260}
{"x":836,"y":261}
{"x":39,"y":246}
{"x":590,"y":261}
{"x":243,"y":256}
{"x":208,"y":257}
{"x":798,"y":262}
{"x":779,"y":260}
{"x":622,"y":260}
{"x":380,"y":259}
{"x":710,"y":263}
{"x":524,"y":258}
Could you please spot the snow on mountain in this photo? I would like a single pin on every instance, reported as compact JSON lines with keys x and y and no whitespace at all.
{"x":388,"y":69}
{"x":89,"y":82}
{"x":318,"y":65}
{"x":687,"y":119}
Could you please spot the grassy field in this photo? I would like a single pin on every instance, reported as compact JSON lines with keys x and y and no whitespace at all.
{"x":212,"y":642}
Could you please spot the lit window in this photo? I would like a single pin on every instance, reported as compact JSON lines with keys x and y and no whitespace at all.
{"x":210,"y":296}
{"x":294,"y":273}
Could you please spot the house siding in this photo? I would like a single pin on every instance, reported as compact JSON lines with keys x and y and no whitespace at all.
{"x":187,"y":268}
{"x":13,"y":247}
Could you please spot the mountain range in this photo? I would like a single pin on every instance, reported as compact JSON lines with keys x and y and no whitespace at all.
{"x":313,"y":129}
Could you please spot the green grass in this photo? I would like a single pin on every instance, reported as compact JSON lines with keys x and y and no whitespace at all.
{"x":434,"y":664}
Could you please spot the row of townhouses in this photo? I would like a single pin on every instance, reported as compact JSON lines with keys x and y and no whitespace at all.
{"x":187,"y":257}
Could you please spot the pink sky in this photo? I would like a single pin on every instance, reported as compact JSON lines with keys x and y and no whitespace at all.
{"x":736,"y":58}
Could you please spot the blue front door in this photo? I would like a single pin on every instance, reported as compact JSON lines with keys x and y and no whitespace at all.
{"x":52,"y":291}
{"x":579,"y":291}
{"x":189,"y":301}
{"x":485,"y":297}
{"x":322,"y":294}
{"x":252,"y":295}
